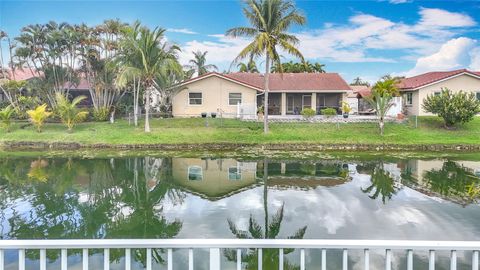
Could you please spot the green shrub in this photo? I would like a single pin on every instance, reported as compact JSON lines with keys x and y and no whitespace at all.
{"x":26,"y":103}
{"x":308,"y":113}
{"x":101,"y":114}
{"x":6,"y":115}
{"x":69,"y":112}
{"x":38,"y":116}
{"x":329,"y":112}
{"x":454,"y":108}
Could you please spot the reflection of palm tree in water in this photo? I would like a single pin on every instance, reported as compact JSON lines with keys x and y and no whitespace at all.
{"x":382,"y":184}
{"x":271,"y":229}
{"x":143,"y":197}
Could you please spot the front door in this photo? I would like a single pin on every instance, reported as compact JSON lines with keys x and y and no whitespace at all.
{"x":306,"y":101}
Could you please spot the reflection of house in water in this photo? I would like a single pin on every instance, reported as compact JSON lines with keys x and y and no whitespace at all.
{"x":456,"y":181}
{"x":213,"y":178}
{"x":306,"y":175}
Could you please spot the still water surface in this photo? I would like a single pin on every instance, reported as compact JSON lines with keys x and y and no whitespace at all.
{"x":178,"y":197}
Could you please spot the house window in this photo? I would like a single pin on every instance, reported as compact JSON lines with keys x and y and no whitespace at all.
{"x":409,"y":99}
{"x":195,"y":98}
{"x":195,"y":173}
{"x":437,"y":93}
{"x":477,"y":95}
{"x":234,"y":173}
{"x":234,"y":98}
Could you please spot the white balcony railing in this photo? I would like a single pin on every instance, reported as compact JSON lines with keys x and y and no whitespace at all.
{"x":214,"y":245}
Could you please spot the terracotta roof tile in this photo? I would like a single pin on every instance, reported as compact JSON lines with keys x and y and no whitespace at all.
{"x":430,"y":77}
{"x":294,"y":81}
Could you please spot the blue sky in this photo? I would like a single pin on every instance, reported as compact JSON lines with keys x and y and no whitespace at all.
{"x":354,"y":38}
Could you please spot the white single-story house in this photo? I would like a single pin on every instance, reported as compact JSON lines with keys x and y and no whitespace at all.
{"x":237,"y":94}
{"x":415,"y":89}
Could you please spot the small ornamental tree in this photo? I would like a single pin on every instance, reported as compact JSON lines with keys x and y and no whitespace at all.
{"x":38,"y":116}
{"x":454,"y":108}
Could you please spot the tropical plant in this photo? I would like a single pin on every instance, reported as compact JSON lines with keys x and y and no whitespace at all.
{"x":250,"y":66}
{"x":38,"y":116}
{"x":387,"y":85}
{"x":69,"y":112}
{"x":199,"y":63}
{"x":12,"y":90}
{"x":359,"y":81}
{"x":346,"y":109}
{"x":146,"y":58}
{"x":298,"y":67}
{"x":270,"y":21}
{"x":381,"y":102}
{"x":6,"y":115}
{"x":454,"y":108}
{"x":308,"y":113}
{"x":329,"y":112}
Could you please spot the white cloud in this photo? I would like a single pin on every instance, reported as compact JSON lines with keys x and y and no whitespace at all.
{"x":399,"y":1}
{"x":475,"y":59}
{"x":453,"y":54}
{"x":357,"y":40}
{"x":442,"y":18}
{"x":182,"y":31}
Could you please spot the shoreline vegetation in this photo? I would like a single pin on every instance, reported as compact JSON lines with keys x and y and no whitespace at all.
{"x":191,"y":134}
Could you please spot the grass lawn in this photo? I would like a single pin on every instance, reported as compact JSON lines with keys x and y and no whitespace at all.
{"x":194,"y":130}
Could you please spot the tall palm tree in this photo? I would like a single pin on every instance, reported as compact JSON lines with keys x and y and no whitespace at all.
{"x":269,"y":21}
{"x":199,"y":63}
{"x":147,"y":57}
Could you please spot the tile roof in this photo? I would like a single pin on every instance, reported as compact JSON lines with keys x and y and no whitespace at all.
{"x":361,"y":90}
{"x":294,"y":81}
{"x":287,"y":82}
{"x":431,"y":77}
{"x":19,"y":74}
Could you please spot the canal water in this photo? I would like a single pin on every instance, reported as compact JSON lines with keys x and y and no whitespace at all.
{"x":334,"y":197}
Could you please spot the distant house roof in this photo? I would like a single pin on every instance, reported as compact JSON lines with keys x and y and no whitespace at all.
{"x":425,"y":79}
{"x":284,"y":82}
{"x":18,"y":74}
{"x":361,"y":91}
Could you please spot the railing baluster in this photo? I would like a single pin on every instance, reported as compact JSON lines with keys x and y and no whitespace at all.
{"x":431,"y":260}
{"x":149,"y":259}
{"x":128,"y":259}
{"x":2,"y":259}
{"x":190,"y":259}
{"x":453,"y":260}
{"x":302,"y":259}
{"x":214,"y":259}
{"x":388,"y":259}
{"x":345,"y":259}
{"x":43,"y":259}
{"x":85,"y":259}
{"x":260,"y":260}
{"x":21,"y":259}
{"x":64,"y":258}
{"x":410,"y":259}
{"x":280,"y":259}
{"x":170,"y":259}
{"x":106,"y":259}
{"x":475,"y":260}
{"x":366,"y":255}
{"x":324,"y":259}
{"x":239,"y":259}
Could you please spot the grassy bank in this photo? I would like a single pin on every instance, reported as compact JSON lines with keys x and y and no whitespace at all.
{"x":193,"y":131}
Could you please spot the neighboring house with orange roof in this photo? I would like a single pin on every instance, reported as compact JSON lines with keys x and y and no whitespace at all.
{"x":237,"y":94}
{"x":415,"y":89}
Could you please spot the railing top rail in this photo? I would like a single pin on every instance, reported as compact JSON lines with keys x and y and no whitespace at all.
{"x":241,"y":243}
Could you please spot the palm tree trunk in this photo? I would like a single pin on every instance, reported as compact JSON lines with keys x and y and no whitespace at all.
{"x":147,"y":109}
{"x":265,"y":195}
{"x":265,"y":106}
{"x":381,"y":124}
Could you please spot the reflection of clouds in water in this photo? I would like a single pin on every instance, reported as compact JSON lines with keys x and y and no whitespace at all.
{"x":342,"y":211}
